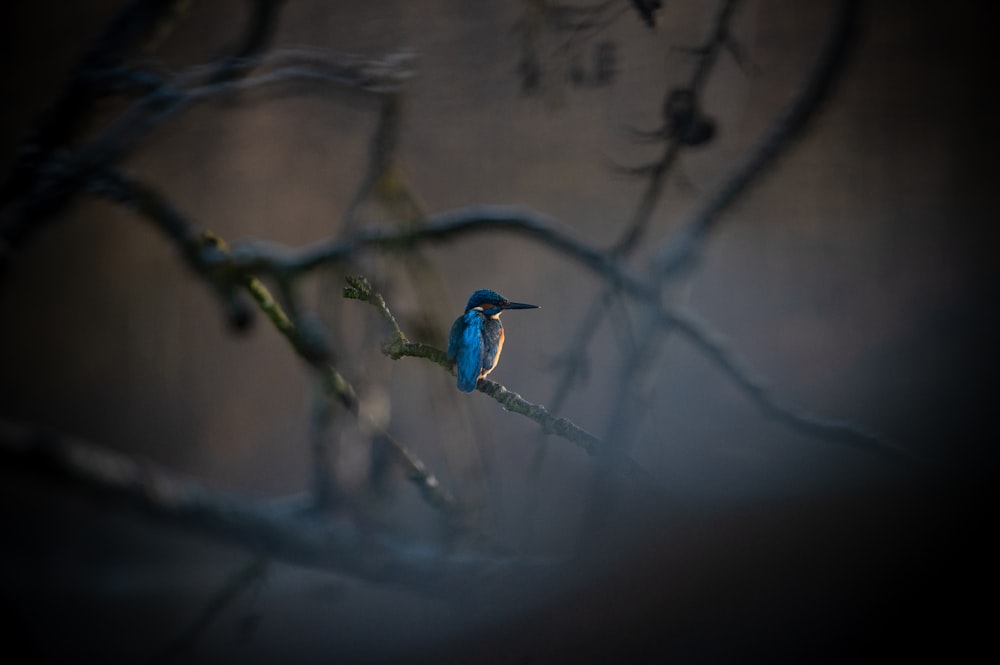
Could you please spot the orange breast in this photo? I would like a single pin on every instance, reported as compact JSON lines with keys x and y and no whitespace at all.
{"x":496,"y":358}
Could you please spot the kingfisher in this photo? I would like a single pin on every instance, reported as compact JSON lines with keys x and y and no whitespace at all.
{"x":476,"y":337}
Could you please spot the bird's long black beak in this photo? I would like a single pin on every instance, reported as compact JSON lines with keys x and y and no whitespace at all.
{"x":519,"y":305}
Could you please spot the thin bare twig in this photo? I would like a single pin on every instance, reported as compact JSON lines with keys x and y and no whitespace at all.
{"x":658,"y":170}
{"x":272,"y":258}
{"x":133,"y":27}
{"x":41,"y":186}
{"x":206,"y":252}
{"x":682,"y":249}
{"x":574,"y":357}
{"x":259,"y":31}
{"x":715,"y":347}
{"x":184,"y":644}
{"x":337,"y":387}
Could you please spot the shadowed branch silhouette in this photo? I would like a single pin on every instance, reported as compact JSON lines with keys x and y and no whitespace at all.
{"x":283,"y":528}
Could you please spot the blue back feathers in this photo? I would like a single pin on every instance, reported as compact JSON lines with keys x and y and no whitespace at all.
{"x":465,"y":349}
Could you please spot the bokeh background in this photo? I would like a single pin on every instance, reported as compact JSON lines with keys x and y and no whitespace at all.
{"x":859,"y":276}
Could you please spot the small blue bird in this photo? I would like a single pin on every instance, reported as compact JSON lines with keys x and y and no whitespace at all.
{"x":476,"y":337}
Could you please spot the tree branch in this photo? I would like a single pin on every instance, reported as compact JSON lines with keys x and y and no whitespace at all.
{"x":40,"y":187}
{"x":265,"y":527}
{"x":360,"y":289}
{"x":682,"y":248}
{"x":210,"y":256}
{"x":221,"y":265}
{"x":714,"y":346}
{"x":273,"y":258}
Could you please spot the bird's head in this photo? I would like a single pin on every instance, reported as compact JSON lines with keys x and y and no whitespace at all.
{"x":492,"y":303}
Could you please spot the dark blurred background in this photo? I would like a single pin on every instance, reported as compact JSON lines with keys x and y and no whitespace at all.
{"x":858,"y":276}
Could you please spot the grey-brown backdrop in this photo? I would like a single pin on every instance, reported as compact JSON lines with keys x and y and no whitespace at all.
{"x":858,"y":277}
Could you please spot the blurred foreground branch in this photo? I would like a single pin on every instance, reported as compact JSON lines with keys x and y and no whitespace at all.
{"x":280,"y":529}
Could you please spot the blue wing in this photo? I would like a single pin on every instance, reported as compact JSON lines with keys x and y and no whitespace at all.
{"x":465,"y":349}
